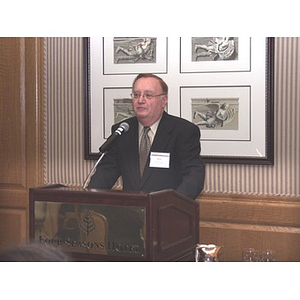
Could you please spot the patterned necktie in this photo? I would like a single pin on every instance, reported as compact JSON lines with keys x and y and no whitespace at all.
{"x":144,"y":148}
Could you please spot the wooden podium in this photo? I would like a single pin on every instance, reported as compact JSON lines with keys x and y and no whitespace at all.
{"x":112,"y":225}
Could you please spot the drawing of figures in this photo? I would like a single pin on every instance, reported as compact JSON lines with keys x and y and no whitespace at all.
{"x":122,"y":109}
{"x":215,"y":114}
{"x":224,"y":48}
{"x":134,"y":50}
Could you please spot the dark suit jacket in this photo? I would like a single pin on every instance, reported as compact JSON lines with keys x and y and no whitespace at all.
{"x":174,"y":135}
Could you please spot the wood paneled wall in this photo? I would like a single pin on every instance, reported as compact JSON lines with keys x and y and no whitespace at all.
{"x":21,"y":136}
{"x":239,"y":222}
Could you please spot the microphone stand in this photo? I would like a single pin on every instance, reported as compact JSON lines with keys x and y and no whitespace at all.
{"x":87,"y":181}
{"x":124,"y":127}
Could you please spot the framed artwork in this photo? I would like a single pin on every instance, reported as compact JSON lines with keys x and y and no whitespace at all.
{"x":223,"y":85}
{"x":221,"y":113}
{"x":215,"y":54}
{"x":127,"y":55}
{"x":117,"y":107}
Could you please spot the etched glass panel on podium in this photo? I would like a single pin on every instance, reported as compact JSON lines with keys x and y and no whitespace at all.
{"x":91,"y":229}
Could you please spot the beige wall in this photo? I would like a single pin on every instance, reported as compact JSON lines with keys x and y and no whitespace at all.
{"x":64,"y":125}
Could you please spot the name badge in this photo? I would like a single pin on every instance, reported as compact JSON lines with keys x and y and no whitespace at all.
{"x":159,"y":160}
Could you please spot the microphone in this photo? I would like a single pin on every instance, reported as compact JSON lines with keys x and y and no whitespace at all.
{"x":124,"y":127}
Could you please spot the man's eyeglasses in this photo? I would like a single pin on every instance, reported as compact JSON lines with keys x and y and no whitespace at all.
{"x":148,"y":96}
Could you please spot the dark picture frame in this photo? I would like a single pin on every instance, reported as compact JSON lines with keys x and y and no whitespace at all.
{"x":104,"y":92}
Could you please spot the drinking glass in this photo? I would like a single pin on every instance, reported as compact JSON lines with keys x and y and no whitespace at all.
{"x":249,"y":255}
{"x":267,"y":256}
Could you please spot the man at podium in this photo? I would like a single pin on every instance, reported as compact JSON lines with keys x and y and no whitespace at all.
{"x":157,"y":151}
